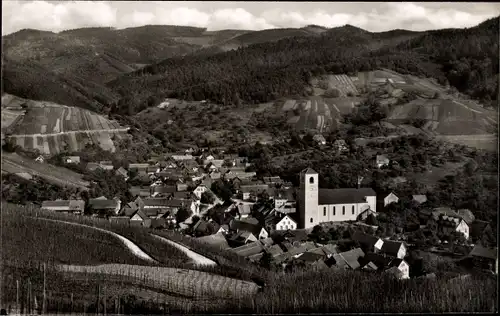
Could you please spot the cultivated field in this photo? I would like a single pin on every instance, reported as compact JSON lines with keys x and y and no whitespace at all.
{"x":52,"y":128}
{"x":184,"y":282}
{"x":343,"y":83}
{"x":446,"y":117}
{"x":317,"y":113}
{"x":13,"y":163}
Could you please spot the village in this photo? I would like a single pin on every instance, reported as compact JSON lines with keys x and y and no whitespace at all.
{"x":270,"y":222}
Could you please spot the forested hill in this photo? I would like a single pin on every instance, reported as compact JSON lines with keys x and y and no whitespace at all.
{"x":265,"y":71}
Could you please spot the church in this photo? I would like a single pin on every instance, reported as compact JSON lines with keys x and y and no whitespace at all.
{"x":331,"y":205}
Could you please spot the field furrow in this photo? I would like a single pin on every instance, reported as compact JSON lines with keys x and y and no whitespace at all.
{"x":73,"y":142}
{"x":39,"y":143}
{"x":52,"y":144}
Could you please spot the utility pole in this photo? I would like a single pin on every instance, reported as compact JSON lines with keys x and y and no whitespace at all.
{"x":44,"y":304}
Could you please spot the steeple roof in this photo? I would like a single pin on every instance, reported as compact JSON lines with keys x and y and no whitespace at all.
{"x":309,"y":171}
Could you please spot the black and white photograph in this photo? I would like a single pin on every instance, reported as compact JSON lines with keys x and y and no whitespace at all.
{"x":249,"y":157}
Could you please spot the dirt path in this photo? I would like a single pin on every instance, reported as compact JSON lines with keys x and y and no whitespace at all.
{"x":128,"y":243}
{"x":196,"y":257}
{"x":114,"y":130}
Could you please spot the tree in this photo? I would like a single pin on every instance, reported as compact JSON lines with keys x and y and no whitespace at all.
{"x":371,"y":220}
{"x":207,"y":197}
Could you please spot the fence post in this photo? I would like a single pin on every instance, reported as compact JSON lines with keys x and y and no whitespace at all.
{"x":44,"y":289}
{"x":18,"y":309}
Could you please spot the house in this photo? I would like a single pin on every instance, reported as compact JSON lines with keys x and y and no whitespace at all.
{"x":286,"y":223}
{"x":129,"y":209}
{"x":368,"y":243}
{"x":364,"y":215}
{"x":394,"y":248}
{"x":391,"y":198}
{"x":223,"y":229}
{"x":382,"y":160}
{"x":394,"y":272}
{"x":72,"y":159}
{"x":272,"y":180}
{"x":310,"y":257}
{"x":109,"y":206}
{"x":136,"y":191}
{"x":284,"y":197}
{"x":181,"y":186}
{"x":122,"y":172}
{"x":164,"y":190}
{"x":251,"y":191}
{"x":340,"y":145}
{"x":182,"y":157}
{"x":202,"y":228}
{"x":92,"y":166}
{"x":319,"y":139}
{"x":244,"y":210}
{"x":449,"y":221}
{"x":346,"y":260}
{"x":467,"y":216}
{"x":40,"y":159}
{"x":122,"y":220}
{"x":139,"y":218}
{"x":243,"y":237}
{"x":374,"y":261}
{"x":70,"y":206}
{"x":419,"y":198}
{"x":200,"y":190}
{"x":485,"y":258}
{"x":249,"y":249}
{"x":106,"y":164}
{"x":402,"y":266}
{"x":255,"y":229}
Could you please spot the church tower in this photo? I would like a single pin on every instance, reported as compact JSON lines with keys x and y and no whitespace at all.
{"x":308,"y":198}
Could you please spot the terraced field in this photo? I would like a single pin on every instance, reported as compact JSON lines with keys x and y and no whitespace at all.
{"x":317,"y":113}
{"x":52,"y":128}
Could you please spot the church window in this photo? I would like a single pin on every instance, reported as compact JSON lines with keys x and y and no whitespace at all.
{"x":334,"y":211}
{"x":311,"y":180}
{"x":353,"y":210}
{"x":324,"y":211}
{"x":343,"y":210}
{"x":311,"y":219}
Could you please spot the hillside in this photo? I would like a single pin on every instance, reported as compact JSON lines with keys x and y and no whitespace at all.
{"x":52,"y":128}
{"x":265,"y":71}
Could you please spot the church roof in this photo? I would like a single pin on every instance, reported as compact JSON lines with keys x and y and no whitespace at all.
{"x":309,"y":171}
{"x":343,"y":196}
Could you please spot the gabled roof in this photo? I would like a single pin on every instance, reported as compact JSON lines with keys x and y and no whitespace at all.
{"x":392,"y":194}
{"x":141,"y":191}
{"x":391,"y":247}
{"x":444,"y":211}
{"x":483,"y":252}
{"x":351,"y":257}
{"x":76,"y":205}
{"x":98,"y":204}
{"x":244,"y":209}
{"x":201,"y":226}
{"x":243,"y":226}
{"x":155,"y":201}
{"x":379,"y":260}
{"x":467,"y":216}
{"x":274,"y":250}
{"x":365,"y":239}
{"x":254,"y":188}
{"x":164,"y":189}
{"x":215,"y":240}
{"x":182,"y":195}
{"x":141,"y":214}
{"x":288,"y":194}
{"x":478,"y":227}
{"x":249,"y":249}
{"x":343,"y":196}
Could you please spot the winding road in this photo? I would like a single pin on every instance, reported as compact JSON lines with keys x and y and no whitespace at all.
{"x":196,"y":257}
{"x":128,"y":243}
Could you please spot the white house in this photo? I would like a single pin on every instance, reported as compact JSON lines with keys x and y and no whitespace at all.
{"x":200,"y":190}
{"x":72,"y":159}
{"x":40,"y":159}
{"x":327,"y":205}
{"x":394,"y":248}
{"x":286,"y":223}
{"x":402,"y":266}
{"x":391,"y":198}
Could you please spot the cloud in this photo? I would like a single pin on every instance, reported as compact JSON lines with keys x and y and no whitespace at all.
{"x":57,"y":16}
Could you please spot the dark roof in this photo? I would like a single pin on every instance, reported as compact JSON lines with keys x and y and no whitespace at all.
{"x":308,"y":171}
{"x":365,"y":239}
{"x":69,"y":204}
{"x":244,"y":226}
{"x":352,"y":256}
{"x":466,"y":215}
{"x":249,"y":249}
{"x":201,"y":226}
{"x":141,"y":191}
{"x":483,"y":252}
{"x":183,"y":195}
{"x":155,"y":202}
{"x":254,"y":188}
{"x":310,"y":257}
{"x":98,"y":204}
{"x":158,"y":223}
{"x":288,"y":194}
{"x":343,"y":196}
{"x":274,"y":250}
{"x":379,"y":260}
{"x":391,"y":247}
{"x":164,"y":189}
{"x":141,"y":214}
{"x":478,"y":227}
{"x":215,"y":240}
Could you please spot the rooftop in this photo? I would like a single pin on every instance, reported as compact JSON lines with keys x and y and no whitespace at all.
{"x":344,"y":196}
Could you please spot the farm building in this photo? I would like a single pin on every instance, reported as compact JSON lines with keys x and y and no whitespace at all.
{"x":390,"y":198}
{"x":252,"y":191}
{"x":111,"y":206}
{"x":216,"y":239}
{"x":255,"y":229}
{"x":485,"y":258}
{"x":327,"y":205}
{"x":70,"y":206}
{"x":286,"y":223}
{"x":72,"y":159}
{"x":346,"y":260}
{"x":450,"y":221}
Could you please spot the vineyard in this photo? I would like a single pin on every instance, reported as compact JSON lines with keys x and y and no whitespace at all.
{"x":317,"y":113}
{"x":13,"y":163}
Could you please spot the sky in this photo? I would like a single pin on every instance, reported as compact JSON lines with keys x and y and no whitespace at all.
{"x":57,"y":16}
